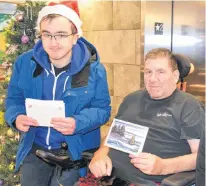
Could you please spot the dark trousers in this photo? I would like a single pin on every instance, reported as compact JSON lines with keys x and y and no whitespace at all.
{"x":36,"y":172}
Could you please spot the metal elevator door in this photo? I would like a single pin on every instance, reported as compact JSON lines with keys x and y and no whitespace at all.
{"x":180,"y":27}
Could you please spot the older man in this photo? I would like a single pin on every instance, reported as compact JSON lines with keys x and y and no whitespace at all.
{"x":175,"y":120}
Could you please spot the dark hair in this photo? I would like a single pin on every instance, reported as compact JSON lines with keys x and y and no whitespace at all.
{"x":162,"y":53}
{"x":52,"y":16}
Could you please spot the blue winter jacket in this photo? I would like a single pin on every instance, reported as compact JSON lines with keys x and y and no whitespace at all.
{"x":85,"y":94}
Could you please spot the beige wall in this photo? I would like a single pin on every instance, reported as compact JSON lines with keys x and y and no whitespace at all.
{"x":114,"y":28}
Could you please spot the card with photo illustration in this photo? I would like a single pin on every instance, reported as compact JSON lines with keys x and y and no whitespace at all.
{"x":126,"y":136}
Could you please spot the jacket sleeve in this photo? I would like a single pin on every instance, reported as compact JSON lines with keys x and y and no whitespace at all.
{"x":14,"y":102}
{"x":99,"y":111}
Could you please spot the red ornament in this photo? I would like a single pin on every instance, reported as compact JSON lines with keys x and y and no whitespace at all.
{"x":19,"y":17}
{"x":24,"y":39}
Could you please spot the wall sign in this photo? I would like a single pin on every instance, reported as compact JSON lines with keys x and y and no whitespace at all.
{"x":158,"y":29}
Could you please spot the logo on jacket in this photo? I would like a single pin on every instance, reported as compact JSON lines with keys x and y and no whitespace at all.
{"x":164,"y":114}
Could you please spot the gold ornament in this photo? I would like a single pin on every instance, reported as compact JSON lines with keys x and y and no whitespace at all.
{"x":11,"y":166}
{"x":7,"y":79}
{"x":10,"y":133}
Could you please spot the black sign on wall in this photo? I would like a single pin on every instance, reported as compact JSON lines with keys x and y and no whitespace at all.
{"x":158,"y":29}
{"x":185,"y":30}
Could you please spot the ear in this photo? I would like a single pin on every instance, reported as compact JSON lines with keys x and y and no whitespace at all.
{"x":75,"y":38}
{"x":176,"y":75}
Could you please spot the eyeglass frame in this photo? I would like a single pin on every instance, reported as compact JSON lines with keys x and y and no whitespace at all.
{"x":50,"y":36}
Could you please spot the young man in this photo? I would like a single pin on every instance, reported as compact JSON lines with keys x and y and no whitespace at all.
{"x":175,"y":120}
{"x":61,"y":66}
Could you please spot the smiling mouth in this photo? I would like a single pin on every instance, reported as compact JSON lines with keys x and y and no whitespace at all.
{"x":154,"y":86}
{"x":54,"y":50}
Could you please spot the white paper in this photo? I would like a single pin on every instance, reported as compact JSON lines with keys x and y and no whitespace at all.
{"x":44,"y":110}
{"x":127,"y":137}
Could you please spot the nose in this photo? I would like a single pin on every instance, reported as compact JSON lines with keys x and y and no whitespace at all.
{"x":54,"y":41}
{"x":153,"y":77}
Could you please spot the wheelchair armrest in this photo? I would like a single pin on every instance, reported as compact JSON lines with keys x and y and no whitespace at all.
{"x":60,"y":160}
{"x":180,"y":179}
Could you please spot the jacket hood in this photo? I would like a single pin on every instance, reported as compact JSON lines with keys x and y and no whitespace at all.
{"x":81,"y":53}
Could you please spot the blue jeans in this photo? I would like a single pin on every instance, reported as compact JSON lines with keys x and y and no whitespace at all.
{"x":36,"y":172}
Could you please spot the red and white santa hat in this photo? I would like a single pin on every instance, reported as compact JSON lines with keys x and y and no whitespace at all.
{"x":68,"y":9}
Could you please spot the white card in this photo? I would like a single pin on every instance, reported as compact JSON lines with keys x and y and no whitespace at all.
{"x":44,"y":110}
{"x":127,"y":137}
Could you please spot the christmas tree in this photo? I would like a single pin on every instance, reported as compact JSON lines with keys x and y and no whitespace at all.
{"x":20,"y":36}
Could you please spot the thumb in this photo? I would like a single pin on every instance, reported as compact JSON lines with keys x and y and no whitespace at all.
{"x":109,"y":167}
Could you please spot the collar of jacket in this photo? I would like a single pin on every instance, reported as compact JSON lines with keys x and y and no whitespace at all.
{"x":78,"y":80}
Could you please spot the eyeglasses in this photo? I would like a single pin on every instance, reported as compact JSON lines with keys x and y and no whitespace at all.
{"x":57,"y":37}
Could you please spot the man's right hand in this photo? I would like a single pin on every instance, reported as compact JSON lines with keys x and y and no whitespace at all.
{"x":101,"y":164}
{"x":24,"y":122}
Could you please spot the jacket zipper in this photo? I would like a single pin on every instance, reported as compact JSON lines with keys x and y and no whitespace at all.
{"x":53,"y":98}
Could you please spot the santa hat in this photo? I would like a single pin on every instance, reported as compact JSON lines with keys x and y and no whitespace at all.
{"x":68,"y":9}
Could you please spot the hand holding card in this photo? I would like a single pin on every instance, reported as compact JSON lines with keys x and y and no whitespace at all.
{"x":127,"y":137}
{"x":44,"y":110}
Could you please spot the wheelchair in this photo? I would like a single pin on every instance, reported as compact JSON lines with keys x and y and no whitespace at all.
{"x":62,"y":160}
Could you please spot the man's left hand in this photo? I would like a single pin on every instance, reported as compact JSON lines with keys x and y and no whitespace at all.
{"x":66,"y":126}
{"x":148,"y":163}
